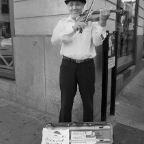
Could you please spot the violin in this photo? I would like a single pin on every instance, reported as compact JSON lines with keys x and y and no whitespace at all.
{"x":90,"y":15}
{"x":93,"y":16}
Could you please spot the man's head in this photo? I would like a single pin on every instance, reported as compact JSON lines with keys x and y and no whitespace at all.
{"x":75,"y":7}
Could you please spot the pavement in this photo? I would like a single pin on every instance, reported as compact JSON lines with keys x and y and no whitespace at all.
{"x":128,"y":121}
{"x":22,"y":125}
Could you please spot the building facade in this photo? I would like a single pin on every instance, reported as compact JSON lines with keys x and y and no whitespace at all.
{"x":29,"y":64}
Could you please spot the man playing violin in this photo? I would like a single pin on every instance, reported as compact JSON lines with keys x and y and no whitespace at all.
{"x":78,"y":51}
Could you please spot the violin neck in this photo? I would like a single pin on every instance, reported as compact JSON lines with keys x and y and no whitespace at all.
{"x":111,"y":11}
{"x":93,"y":19}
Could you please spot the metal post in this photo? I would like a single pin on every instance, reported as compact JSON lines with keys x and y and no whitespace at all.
{"x":113,"y":78}
{"x":104,"y":78}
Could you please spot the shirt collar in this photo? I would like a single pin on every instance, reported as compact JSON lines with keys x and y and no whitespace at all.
{"x":70,"y":19}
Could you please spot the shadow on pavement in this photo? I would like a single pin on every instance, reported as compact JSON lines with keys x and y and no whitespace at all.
{"x":127,"y":135}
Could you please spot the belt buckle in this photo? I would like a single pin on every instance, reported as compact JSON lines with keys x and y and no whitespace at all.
{"x":78,"y":61}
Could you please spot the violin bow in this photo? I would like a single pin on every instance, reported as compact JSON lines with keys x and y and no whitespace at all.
{"x":89,"y":11}
{"x":88,"y":14}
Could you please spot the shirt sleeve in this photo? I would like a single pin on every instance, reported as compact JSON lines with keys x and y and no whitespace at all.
{"x":61,"y":35}
{"x":98,"y":34}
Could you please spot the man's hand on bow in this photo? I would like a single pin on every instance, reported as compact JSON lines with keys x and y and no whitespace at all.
{"x":78,"y":26}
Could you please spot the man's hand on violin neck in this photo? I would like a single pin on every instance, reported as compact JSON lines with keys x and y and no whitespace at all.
{"x":104,"y":15}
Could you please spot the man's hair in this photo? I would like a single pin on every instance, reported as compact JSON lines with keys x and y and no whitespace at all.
{"x":67,"y":1}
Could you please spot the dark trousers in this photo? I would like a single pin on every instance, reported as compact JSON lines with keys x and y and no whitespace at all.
{"x":71,"y":74}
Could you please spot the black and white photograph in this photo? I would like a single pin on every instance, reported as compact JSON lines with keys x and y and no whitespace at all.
{"x":71,"y":71}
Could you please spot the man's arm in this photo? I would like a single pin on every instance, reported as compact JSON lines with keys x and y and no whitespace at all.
{"x":98,"y":34}
{"x":60,"y":35}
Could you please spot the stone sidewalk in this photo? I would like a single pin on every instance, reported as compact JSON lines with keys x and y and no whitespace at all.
{"x":128,"y":121}
{"x":21,"y":125}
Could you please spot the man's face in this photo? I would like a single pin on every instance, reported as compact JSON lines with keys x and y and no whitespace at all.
{"x":75,"y":8}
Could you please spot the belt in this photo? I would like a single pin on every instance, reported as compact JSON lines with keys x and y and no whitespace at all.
{"x":77,"y":61}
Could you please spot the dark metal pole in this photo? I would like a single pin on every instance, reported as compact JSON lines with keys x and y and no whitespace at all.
{"x":113,"y":77}
{"x":104,"y":78}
